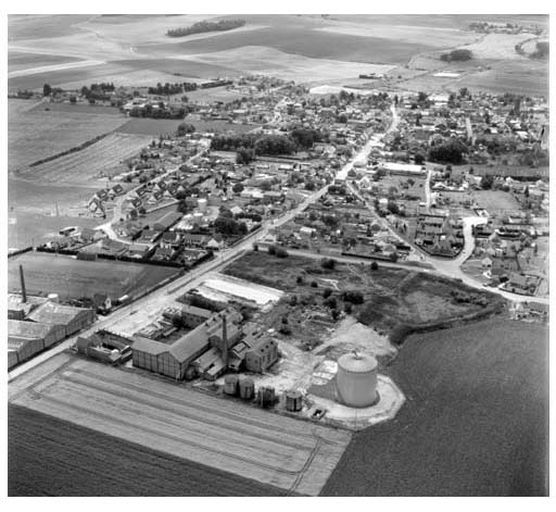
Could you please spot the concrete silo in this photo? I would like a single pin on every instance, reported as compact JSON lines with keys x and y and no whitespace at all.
{"x":356,"y":380}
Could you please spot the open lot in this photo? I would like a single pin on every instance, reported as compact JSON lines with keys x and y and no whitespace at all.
{"x":227,"y":435}
{"x":392,"y":297}
{"x":475,"y":422}
{"x":72,"y":279}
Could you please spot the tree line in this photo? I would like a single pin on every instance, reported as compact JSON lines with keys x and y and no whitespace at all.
{"x":206,"y":26}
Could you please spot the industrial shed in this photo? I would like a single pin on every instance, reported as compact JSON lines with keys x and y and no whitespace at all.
{"x":23,"y":348}
{"x":167,"y":221}
{"x":48,"y":333}
{"x":73,"y":319}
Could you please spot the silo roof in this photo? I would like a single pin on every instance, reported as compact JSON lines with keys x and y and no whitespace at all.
{"x":357,"y":363}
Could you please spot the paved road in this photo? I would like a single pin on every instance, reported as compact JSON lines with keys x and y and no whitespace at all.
{"x":153,"y":303}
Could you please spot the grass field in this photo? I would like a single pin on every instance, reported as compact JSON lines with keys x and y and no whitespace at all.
{"x":496,"y":201}
{"x":78,"y":461}
{"x":35,"y":133}
{"x":224,"y":434}
{"x":88,"y":164}
{"x":475,"y":422}
{"x":72,"y":279}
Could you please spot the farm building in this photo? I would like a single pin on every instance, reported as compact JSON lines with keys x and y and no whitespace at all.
{"x":71,"y":318}
{"x":173,"y":360}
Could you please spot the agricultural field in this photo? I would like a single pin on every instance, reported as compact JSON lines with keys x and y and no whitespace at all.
{"x":79,"y":461}
{"x":475,"y":422}
{"x":35,"y":133}
{"x":18,"y":61}
{"x":72,"y":279}
{"x":261,"y":59}
{"x":223,"y":434}
{"x":91,"y":163}
{"x":150,"y":127}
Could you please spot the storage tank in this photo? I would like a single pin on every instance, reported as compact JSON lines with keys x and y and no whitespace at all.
{"x":247,"y":389}
{"x":294,"y":400}
{"x":356,"y":380}
{"x":53,"y":297}
{"x":230,"y":384}
{"x":267,"y":396}
{"x":202,"y":204}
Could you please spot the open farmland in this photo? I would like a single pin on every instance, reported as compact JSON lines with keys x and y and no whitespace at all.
{"x":78,"y":461}
{"x":475,"y":422}
{"x":96,"y":160}
{"x":18,"y":61}
{"x":224,"y":434}
{"x":72,"y":279}
{"x":35,"y":133}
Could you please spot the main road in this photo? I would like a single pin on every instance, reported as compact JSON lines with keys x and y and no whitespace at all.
{"x":151,"y":305}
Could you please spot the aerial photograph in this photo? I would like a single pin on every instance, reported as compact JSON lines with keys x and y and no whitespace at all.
{"x":277,"y":255}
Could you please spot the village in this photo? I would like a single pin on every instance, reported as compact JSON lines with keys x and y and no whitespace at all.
{"x":398,"y":182}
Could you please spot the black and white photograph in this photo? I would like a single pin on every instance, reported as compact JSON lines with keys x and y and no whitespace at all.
{"x":282,"y":254}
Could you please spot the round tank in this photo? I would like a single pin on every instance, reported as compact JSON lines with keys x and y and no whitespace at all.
{"x":230,"y":384}
{"x":267,"y":396}
{"x":356,"y":380}
{"x":53,"y":297}
{"x":202,"y":204}
{"x":294,"y":401}
{"x":246,"y":389}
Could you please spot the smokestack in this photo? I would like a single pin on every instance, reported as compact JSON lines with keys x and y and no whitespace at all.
{"x":22,"y":279}
{"x":224,"y":341}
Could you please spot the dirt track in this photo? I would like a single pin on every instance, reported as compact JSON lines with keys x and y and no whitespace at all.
{"x":226,"y":434}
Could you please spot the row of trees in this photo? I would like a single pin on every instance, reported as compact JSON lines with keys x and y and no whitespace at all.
{"x":168,"y":89}
{"x":206,"y":26}
{"x":158,"y":113}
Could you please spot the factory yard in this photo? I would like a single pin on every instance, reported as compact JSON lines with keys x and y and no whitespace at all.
{"x":222,"y":287}
{"x":73,"y":279}
{"x":223,"y":434}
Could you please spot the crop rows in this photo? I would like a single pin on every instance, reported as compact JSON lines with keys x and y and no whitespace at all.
{"x":83,"y":165}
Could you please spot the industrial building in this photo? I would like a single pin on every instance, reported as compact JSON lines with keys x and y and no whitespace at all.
{"x":71,"y":318}
{"x":105,"y":347}
{"x":176,"y":359}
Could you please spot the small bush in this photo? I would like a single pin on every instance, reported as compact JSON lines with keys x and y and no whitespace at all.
{"x":314,"y":284}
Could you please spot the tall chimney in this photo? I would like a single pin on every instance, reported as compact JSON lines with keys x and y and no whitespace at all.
{"x":224,"y":341}
{"x":22,"y":279}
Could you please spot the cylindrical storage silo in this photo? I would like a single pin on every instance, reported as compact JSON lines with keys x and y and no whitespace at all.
{"x":356,"y":380}
{"x":53,"y":297}
{"x":230,"y":384}
{"x":293,"y":400}
{"x":247,"y":389}
{"x":266,"y":396}
{"x":202,"y":204}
